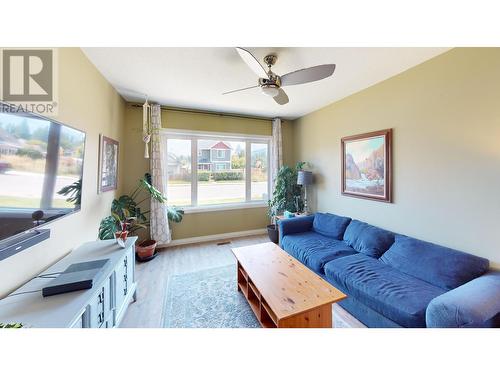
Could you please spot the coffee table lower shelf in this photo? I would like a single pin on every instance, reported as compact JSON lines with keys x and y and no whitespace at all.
{"x":318,"y":317}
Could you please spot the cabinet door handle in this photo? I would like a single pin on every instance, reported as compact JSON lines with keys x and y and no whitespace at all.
{"x":100,"y":297}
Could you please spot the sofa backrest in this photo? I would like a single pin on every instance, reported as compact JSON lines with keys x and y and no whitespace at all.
{"x":330,"y":225}
{"x":368,"y":239}
{"x":437,"y":265}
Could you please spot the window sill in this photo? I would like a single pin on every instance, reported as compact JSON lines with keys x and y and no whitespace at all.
{"x":225,"y":207}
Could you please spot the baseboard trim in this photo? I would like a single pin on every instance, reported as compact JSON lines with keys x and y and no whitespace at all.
{"x":216,"y":237}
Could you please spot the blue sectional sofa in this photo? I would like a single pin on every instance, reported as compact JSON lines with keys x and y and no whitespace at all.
{"x":393,"y":280}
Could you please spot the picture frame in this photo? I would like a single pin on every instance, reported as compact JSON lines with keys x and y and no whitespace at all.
{"x":108,"y":164}
{"x":367,"y":166}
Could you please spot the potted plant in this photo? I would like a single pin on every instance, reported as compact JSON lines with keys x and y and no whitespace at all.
{"x":127,"y":216}
{"x":121,"y":234}
{"x":287,"y":196}
{"x":74,"y":191}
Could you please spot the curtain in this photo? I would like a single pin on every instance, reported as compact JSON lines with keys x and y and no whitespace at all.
{"x":160,"y":230}
{"x":277,"y":153}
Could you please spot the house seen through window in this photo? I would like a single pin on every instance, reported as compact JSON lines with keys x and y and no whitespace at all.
{"x":206,"y":170}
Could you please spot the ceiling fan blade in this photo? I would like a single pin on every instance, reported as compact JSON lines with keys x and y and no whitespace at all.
{"x":252,"y":62}
{"x":306,"y":75}
{"x":281,"y":98}
{"x":246,"y":88}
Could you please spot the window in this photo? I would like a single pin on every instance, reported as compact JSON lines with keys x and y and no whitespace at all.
{"x":179,"y":171}
{"x":221,"y":166}
{"x":260,"y":171}
{"x":227,"y":170}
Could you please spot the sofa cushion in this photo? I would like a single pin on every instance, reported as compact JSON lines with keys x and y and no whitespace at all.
{"x":437,"y":265}
{"x":395,"y":295}
{"x":367,"y":239}
{"x":314,"y":250}
{"x":330,"y":225}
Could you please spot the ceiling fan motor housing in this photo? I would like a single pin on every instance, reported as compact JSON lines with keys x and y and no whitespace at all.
{"x":270,"y":86}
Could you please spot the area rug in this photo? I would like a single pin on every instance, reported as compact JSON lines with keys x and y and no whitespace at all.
{"x":206,"y":299}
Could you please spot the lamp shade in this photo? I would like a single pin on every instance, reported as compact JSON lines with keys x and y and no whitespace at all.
{"x":304,"y":178}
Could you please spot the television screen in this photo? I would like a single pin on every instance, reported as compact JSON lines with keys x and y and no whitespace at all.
{"x":41,"y":170}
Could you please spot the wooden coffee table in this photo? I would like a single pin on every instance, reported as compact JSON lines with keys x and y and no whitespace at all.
{"x":281,"y":291}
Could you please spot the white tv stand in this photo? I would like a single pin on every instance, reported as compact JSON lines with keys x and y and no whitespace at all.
{"x":103,"y":306}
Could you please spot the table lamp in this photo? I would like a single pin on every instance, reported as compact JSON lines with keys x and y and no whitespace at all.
{"x":305,"y":178}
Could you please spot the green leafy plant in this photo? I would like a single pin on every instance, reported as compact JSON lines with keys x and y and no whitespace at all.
{"x":29,"y":152}
{"x":11,"y":325}
{"x":237,"y":162}
{"x":203,"y":176}
{"x":108,"y":227}
{"x":227,"y":176}
{"x":287,"y":195}
{"x":74,"y":191}
{"x":174,"y":214}
{"x":126,"y":210}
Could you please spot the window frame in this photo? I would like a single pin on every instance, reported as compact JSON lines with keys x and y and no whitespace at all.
{"x":248,"y":139}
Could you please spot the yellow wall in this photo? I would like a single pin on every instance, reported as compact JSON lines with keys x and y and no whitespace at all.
{"x":446,"y":156}
{"x":202,"y":223}
{"x":287,"y":145}
{"x":215,"y":123}
{"x":89,"y":103}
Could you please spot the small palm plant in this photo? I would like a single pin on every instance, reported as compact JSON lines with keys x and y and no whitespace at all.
{"x":126,"y":210}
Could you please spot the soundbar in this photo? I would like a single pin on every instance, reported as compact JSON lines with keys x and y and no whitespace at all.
{"x":78,"y":276}
{"x":20,"y":242}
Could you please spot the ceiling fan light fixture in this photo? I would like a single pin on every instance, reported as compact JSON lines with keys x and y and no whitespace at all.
{"x":271,"y":84}
{"x":271,"y":90}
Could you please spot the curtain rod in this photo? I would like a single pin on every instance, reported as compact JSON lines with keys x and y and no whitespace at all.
{"x":187,"y":110}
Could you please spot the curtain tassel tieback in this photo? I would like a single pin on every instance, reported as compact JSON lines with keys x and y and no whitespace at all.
{"x":146,"y":140}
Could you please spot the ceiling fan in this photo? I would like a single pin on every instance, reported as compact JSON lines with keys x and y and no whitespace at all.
{"x":271,"y":83}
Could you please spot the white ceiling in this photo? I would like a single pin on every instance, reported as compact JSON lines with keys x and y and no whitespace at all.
{"x":195,"y":78}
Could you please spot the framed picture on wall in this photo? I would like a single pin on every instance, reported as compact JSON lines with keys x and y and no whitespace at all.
{"x":108,"y":164}
{"x":367,"y":165}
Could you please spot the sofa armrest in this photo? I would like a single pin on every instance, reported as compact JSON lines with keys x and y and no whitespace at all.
{"x":297,"y":224}
{"x":473,"y":304}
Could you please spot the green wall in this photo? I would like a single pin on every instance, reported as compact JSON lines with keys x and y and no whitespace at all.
{"x":89,"y":103}
{"x":445,"y":114}
{"x":201,"y":223}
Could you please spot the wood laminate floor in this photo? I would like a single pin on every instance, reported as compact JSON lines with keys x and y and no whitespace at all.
{"x":151,"y":276}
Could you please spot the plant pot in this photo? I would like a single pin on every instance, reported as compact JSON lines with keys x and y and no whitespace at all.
{"x":145,"y":249}
{"x":121,"y":237}
{"x":273,"y":233}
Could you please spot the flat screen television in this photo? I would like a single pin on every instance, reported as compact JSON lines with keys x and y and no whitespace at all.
{"x":41,"y":171}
